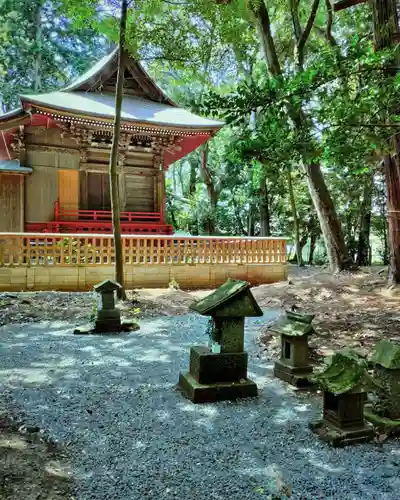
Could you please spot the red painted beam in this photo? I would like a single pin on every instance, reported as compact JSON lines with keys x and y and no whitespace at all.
{"x":345,"y":4}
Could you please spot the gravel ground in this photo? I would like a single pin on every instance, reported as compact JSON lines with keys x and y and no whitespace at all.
{"x":131,"y":436}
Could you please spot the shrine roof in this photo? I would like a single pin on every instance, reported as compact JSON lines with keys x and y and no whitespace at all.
{"x":13,"y":166}
{"x":134,"y":108}
{"x":93,"y":95}
{"x":346,"y":371}
{"x":245,"y":305}
{"x":387,"y":354}
{"x":294,"y":324}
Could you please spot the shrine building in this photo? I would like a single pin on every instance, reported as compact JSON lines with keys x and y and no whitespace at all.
{"x":55,"y":150}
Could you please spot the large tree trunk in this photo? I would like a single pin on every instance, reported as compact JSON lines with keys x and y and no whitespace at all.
{"x":392,"y":175}
{"x":193,"y":176}
{"x":336,"y":249}
{"x":364,"y":247}
{"x":38,"y":46}
{"x":313,"y":242}
{"x":386,"y":30}
{"x":330,"y":225}
{"x":213,"y":193}
{"x":265,"y":216}
{"x":115,"y":202}
{"x":296,"y":227}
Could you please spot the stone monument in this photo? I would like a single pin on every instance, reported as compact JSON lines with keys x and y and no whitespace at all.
{"x":344,"y":382}
{"x":384,"y":413}
{"x":294,"y":365}
{"x":108,"y":317}
{"x":219,"y":372}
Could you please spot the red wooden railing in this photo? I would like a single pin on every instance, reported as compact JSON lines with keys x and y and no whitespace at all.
{"x":62,"y":214}
{"x":73,"y":220}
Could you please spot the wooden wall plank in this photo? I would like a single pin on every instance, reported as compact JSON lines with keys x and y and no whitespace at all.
{"x":51,"y":159}
{"x":139,"y":193}
{"x":11,"y":203}
{"x":68,"y":189}
{"x":41,"y":191}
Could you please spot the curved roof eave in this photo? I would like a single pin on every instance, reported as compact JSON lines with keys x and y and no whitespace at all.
{"x":14,"y":118}
{"x":50,"y":103}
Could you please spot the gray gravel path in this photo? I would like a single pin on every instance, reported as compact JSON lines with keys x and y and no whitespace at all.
{"x":131,"y":436}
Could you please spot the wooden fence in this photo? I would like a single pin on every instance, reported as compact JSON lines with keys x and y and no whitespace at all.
{"x":77,"y":262}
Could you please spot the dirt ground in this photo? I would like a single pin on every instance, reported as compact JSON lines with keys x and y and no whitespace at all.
{"x":353,"y":310}
{"x":32,"y":467}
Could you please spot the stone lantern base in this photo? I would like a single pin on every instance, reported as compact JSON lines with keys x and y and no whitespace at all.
{"x":104,"y":328}
{"x":216,"y":377}
{"x":385,"y":425}
{"x":338,"y":437}
{"x":296,"y":376}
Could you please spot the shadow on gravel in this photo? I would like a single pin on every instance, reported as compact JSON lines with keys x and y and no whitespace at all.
{"x":114,"y":399}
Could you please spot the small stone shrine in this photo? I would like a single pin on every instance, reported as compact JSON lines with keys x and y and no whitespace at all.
{"x":108,"y":318}
{"x":385,"y":410}
{"x":219,"y":372}
{"x":344,"y":382}
{"x":294,"y":364}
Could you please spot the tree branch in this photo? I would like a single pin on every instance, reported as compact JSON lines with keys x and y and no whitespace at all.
{"x":264,"y":26}
{"x":310,"y":23}
{"x":328,"y":32}
{"x":294,"y":12}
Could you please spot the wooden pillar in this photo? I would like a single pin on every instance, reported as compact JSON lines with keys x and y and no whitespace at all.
{"x":22,"y":203}
{"x":161,"y":195}
{"x":83,"y":180}
{"x":122,"y":191}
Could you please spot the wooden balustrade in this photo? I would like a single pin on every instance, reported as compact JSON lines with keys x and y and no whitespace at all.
{"x":25,"y":249}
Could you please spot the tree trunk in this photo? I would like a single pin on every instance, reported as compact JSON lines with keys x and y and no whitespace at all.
{"x":313,"y":241}
{"x":330,"y":225}
{"x":213,"y":194}
{"x":296,"y":227}
{"x":193,"y":176}
{"x":336,"y":249}
{"x":115,"y":202}
{"x":38,"y":46}
{"x":265,"y":216}
{"x":392,"y":175}
{"x":386,"y":29}
{"x":250,"y":221}
{"x":174,"y":184}
{"x":364,"y":247}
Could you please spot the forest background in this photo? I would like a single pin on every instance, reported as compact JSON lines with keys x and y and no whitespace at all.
{"x":309,"y":107}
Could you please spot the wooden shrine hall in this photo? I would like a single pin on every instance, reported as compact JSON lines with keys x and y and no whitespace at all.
{"x":54,"y":154}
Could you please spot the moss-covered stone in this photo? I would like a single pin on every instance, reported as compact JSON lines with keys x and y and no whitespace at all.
{"x":385,"y":425}
{"x":387,"y":354}
{"x":341,"y":437}
{"x":346,"y":371}
{"x":233,"y":298}
{"x":294,"y":324}
{"x":387,"y":397}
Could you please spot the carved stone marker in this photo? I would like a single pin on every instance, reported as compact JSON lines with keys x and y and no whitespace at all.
{"x":385,"y":410}
{"x":218,"y":376}
{"x":108,"y":318}
{"x":294,"y":365}
{"x":344,"y":383}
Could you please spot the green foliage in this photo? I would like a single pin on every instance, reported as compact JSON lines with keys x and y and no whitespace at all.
{"x":207,"y":57}
{"x":61,"y":49}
